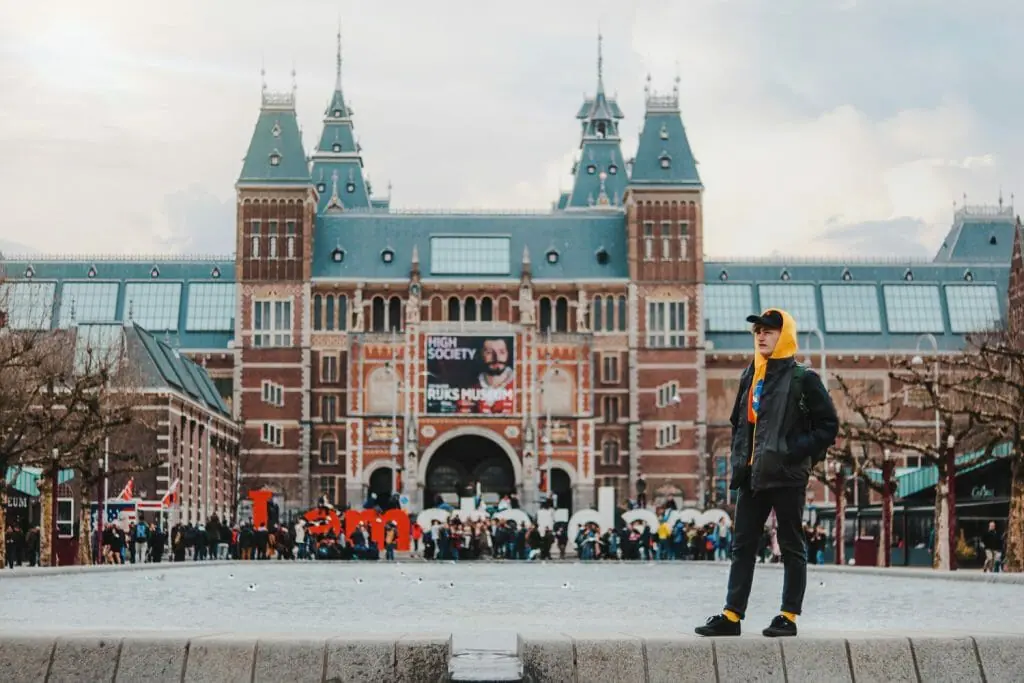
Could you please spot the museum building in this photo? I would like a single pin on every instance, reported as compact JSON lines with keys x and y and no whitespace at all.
{"x":368,"y":349}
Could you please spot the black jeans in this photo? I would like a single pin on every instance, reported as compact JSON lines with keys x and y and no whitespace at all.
{"x":752,"y":510}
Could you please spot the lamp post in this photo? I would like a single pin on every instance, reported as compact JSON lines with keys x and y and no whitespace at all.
{"x":814,"y":331}
{"x":837,"y":479}
{"x":99,"y":512}
{"x":395,"y":441}
{"x":549,"y":448}
{"x":951,"y":498}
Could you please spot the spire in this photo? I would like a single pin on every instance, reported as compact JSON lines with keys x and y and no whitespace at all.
{"x":337,"y":153}
{"x":337,"y":71}
{"x":600,"y":177}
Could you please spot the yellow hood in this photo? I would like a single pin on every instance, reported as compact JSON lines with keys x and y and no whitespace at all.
{"x":787,"y":346}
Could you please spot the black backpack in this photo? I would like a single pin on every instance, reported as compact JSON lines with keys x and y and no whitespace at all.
{"x":798,"y":401}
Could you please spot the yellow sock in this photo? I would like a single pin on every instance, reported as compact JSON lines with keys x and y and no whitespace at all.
{"x":730,"y":615}
{"x":790,"y":616}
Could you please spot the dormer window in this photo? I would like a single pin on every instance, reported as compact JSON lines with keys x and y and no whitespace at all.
{"x":321,"y":187}
{"x":664,"y":132}
{"x":552,"y":256}
{"x":92,"y":272}
{"x":992,"y":239}
{"x":275,"y":159}
{"x":336,"y":113}
{"x":602,"y":256}
{"x":847,"y":275}
{"x":724,"y":275}
{"x":909,"y":275}
{"x":350,"y":187}
{"x":387,"y":256}
{"x":665,"y":160}
{"x":276,"y":130}
{"x":215,"y":273}
{"x":591,"y":169}
{"x":968,"y":276}
{"x":29,"y":272}
{"x":154,"y":272}
{"x":613,"y":169}
{"x":338,"y":255}
{"x":336,"y":147}
{"x":784,"y":276}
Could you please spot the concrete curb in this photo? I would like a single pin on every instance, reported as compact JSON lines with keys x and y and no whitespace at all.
{"x":673,"y":659}
{"x":544,"y":657}
{"x":222,"y":658}
{"x":36,"y":572}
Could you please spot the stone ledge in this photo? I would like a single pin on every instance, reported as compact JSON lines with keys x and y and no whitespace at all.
{"x":222,"y":658}
{"x":973,"y":575}
{"x":547,"y":656}
{"x":74,"y":569}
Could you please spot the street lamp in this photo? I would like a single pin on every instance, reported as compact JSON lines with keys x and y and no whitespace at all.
{"x":53,"y":507}
{"x":549,"y":449}
{"x":918,"y":360}
{"x":814,"y":331}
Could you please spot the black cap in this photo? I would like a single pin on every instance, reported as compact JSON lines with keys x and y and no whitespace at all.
{"x":771,"y":319}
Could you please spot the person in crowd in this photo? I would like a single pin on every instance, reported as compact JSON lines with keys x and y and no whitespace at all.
{"x":783,"y":422}
{"x":992,"y":541}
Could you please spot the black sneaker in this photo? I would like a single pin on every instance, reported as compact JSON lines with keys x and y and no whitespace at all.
{"x":718,"y":625}
{"x":781,"y":627}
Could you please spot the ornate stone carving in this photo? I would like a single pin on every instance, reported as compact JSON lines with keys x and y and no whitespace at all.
{"x":357,"y":307}
{"x":582,"y":308}
{"x":526,"y":305}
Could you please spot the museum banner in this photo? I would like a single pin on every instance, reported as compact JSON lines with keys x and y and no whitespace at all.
{"x":471,"y":374}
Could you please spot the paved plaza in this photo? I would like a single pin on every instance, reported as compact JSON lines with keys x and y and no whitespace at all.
{"x":472,"y":597}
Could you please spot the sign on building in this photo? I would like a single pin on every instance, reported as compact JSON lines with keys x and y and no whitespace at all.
{"x":470,"y":374}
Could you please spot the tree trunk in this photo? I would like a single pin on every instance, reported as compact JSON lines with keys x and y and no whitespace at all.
{"x":84,"y":525}
{"x":1014,"y":549}
{"x":951,"y":504}
{"x":46,"y":521}
{"x":943,"y":548}
{"x":3,"y":520}
{"x":840,"y":530}
{"x":885,"y":532}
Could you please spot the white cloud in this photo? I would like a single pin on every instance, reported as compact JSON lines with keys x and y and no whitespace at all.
{"x":127,"y":123}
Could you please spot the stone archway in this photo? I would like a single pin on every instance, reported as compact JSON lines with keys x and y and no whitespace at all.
{"x":453,"y":463}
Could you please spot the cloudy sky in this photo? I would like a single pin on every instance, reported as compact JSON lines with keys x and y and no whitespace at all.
{"x":821,"y":126}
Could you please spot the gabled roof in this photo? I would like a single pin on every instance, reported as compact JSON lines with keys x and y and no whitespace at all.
{"x":663,"y":155}
{"x":362,"y":238}
{"x":163,"y":367}
{"x":276,"y":155}
{"x":979,"y":234}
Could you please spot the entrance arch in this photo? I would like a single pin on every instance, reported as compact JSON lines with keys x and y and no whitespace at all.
{"x":463,"y":456}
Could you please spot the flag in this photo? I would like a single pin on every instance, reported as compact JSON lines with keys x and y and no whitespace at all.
{"x":128,"y":492}
{"x":171,"y":498}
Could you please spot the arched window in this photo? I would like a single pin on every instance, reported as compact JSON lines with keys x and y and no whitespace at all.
{"x":343,"y":312}
{"x":598,"y":314}
{"x":328,"y":451}
{"x":454,"y":308}
{"x":562,"y":315}
{"x":545,"y":314}
{"x":255,"y":246}
{"x":470,"y":309}
{"x":609,"y":313}
{"x":318,"y":313}
{"x":622,"y":314}
{"x":610,"y":452}
{"x":378,"y":322}
{"x":272,"y":247}
{"x":486,"y":309}
{"x":329,"y":312}
{"x":394,"y":314}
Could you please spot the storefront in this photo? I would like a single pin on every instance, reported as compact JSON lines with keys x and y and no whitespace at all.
{"x":982,"y":496}
{"x":22,"y":507}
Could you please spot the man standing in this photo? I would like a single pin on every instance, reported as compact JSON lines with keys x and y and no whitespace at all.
{"x":783,"y":422}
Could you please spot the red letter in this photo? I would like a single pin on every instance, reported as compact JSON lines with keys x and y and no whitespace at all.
{"x":401,"y":520}
{"x":259,"y":499}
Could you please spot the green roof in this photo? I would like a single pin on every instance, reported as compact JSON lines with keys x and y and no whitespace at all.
{"x":663,"y":155}
{"x":164,"y":367}
{"x":26,"y":479}
{"x":275,"y":154}
{"x":979,"y":234}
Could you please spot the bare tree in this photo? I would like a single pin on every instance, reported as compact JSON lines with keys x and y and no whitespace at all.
{"x":991,"y":386}
{"x":919,"y":389}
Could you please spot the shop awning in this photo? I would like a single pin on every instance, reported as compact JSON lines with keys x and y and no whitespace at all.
{"x":25,"y":479}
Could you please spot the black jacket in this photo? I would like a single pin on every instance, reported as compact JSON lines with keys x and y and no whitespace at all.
{"x":788,"y":436}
